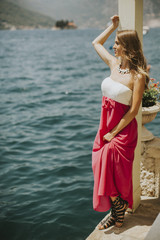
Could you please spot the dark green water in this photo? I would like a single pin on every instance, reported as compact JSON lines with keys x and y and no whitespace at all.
{"x":50,"y":107}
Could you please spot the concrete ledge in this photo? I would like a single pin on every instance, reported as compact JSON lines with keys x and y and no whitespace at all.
{"x":136,"y":225}
{"x":154,"y":232}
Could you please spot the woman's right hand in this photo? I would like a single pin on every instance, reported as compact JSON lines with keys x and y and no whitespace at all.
{"x":115,"y":20}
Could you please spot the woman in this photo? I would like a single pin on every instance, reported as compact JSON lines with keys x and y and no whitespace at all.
{"x":116,"y":139}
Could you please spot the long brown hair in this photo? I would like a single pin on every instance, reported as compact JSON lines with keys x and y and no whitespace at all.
{"x":132,"y":49}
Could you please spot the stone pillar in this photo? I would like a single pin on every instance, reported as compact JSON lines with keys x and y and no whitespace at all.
{"x":131,"y":17}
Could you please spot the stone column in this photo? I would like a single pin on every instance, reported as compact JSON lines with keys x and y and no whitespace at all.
{"x":131,"y":17}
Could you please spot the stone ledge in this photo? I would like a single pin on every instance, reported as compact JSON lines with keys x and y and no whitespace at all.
{"x":153,"y":148}
{"x":136,"y":225}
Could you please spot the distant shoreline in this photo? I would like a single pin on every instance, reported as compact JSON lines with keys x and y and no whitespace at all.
{"x":8,"y":26}
{"x":35,"y":28}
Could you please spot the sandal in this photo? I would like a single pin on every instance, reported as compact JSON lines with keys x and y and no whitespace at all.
{"x":109,"y":221}
{"x":120,"y":207}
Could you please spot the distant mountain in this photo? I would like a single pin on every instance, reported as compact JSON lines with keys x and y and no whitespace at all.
{"x":85,"y":13}
{"x":89,"y":13}
{"x":13,"y":16}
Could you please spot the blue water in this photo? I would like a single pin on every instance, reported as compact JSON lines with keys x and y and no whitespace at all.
{"x":50,"y":109}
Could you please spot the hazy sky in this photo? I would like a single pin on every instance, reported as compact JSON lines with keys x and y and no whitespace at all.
{"x":85,"y":13}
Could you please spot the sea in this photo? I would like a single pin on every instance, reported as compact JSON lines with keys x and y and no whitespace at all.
{"x":50,"y":95}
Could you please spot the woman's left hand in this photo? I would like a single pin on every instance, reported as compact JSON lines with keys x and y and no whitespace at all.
{"x":115,"y":20}
{"x":108,"y":137}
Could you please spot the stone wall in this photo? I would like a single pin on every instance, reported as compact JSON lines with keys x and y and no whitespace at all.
{"x":150,"y":168}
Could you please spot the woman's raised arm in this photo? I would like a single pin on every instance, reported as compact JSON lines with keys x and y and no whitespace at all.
{"x":100,"y":40}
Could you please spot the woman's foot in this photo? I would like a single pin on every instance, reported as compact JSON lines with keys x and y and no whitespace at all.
{"x":120,"y":208}
{"x":109,"y":221}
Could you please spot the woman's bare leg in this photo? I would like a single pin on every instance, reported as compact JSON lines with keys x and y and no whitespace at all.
{"x":113,"y":198}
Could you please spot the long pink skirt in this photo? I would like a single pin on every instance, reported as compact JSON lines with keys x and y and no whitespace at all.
{"x":112,"y":161}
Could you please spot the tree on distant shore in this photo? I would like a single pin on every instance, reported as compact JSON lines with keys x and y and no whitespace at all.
{"x":62,"y":23}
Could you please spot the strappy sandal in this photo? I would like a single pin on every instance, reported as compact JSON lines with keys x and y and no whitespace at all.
{"x":120,"y":208}
{"x":109,"y":221}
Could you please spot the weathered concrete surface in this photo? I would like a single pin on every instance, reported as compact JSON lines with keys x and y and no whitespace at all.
{"x":136,"y":225}
{"x":154,"y":232}
{"x":150,"y":168}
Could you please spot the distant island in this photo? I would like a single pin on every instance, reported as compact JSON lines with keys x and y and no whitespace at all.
{"x":14,"y":17}
{"x":65,"y":24}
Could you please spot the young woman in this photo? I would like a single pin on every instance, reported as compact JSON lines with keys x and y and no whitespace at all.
{"x":116,"y":139}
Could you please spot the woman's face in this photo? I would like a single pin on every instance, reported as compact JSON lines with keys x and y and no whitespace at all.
{"x":117,"y":48}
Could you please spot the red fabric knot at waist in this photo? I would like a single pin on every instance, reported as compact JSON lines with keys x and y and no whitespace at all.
{"x":108,"y":103}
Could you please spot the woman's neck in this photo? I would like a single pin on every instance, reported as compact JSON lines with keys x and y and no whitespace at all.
{"x":124,"y":63}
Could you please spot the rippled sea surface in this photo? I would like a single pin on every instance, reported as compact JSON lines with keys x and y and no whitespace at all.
{"x":50,"y":108}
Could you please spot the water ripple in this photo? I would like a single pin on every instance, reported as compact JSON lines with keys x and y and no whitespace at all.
{"x":50,"y":109}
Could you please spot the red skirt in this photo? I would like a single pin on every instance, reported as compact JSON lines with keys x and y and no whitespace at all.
{"x":112,"y":161}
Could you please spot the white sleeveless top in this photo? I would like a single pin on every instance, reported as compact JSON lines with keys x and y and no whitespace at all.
{"x":116,"y":91}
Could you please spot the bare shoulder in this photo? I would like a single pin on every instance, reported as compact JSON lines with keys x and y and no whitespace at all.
{"x":139,"y":80}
